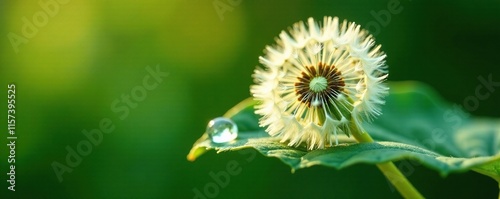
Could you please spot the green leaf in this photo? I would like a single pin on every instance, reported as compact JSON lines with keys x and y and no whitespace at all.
{"x":416,"y":125}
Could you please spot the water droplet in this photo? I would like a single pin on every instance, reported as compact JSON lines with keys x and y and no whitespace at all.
{"x":222,"y":130}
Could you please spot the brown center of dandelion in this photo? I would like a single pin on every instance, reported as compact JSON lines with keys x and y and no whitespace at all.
{"x":318,"y":84}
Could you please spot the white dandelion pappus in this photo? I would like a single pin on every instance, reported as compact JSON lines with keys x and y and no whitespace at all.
{"x":318,"y":81}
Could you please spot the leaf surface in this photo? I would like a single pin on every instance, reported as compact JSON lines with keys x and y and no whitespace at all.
{"x":416,"y":125}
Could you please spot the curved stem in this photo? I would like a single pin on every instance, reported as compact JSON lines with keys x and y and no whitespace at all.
{"x":239,"y":107}
{"x":390,"y":171}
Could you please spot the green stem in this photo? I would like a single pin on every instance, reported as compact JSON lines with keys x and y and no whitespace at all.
{"x":239,"y":107}
{"x":390,"y":171}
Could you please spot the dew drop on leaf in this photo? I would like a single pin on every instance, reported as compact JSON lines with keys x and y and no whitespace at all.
{"x":222,"y":130}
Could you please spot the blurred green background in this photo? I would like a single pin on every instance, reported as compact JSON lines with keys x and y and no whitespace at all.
{"x":85,"y":55}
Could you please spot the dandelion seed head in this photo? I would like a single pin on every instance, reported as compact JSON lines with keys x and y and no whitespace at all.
{"x":317,"y":80}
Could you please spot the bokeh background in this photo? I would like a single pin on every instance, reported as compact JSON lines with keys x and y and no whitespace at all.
{"x":87,"y":54}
